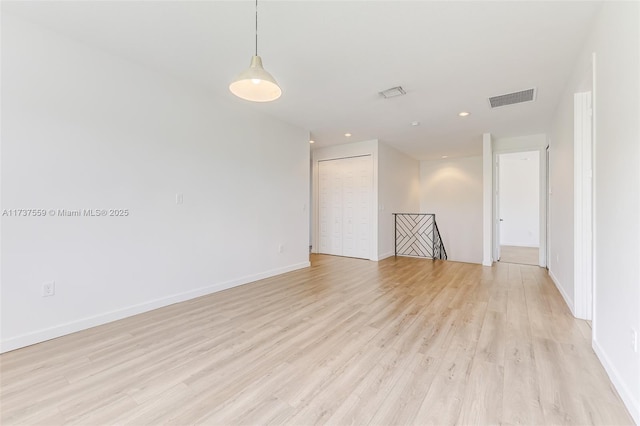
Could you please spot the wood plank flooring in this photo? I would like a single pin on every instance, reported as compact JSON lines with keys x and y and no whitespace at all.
{"x":347,"y":341}
{"x":522,"y":255}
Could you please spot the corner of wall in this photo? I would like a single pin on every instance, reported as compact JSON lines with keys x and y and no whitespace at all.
{"x":564,"y":295}
{"x":632,"y":405}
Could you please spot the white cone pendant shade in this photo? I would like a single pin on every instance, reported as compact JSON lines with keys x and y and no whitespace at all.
{"x":256,"y":84}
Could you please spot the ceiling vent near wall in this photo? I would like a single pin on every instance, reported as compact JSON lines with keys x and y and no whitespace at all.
{"x":393,"y":92}
{"x":528,"y":95}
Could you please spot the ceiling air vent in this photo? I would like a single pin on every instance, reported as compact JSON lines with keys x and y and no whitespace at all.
{"x":393,"y":92}
{"x":528,"y":95}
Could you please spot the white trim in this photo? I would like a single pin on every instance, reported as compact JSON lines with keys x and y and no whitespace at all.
{"x":385,"y":255}
{"x":495,"y":194}
{"x":564,"y":295}
{"x":594,"y":246}
{"x":487,"y":200}
{"x":547,"y":201}
{"x":520,"y":245}
{"x":625,"y":394}
{"x":93,"y":321}
{"x":542,"y":216}
{"x":582,"y":205}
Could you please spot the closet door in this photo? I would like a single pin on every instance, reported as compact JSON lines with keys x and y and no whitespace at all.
{"x":349,"y":195}
{"x":345,"y":195}
{"x":330,"y":211}
{"x":364,"y":203}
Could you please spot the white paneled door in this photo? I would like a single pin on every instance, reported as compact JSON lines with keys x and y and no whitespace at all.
{"x":345,"y":194}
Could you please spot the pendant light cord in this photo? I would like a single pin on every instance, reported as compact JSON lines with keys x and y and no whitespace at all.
{"x":256,"y":27}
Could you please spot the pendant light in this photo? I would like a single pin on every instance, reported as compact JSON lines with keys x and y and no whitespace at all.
{"x":256,"y":84}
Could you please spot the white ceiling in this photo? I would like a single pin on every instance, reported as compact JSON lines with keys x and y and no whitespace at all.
{"x":332,"y":58}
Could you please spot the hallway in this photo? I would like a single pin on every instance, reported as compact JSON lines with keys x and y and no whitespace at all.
{"x":519,"y":255}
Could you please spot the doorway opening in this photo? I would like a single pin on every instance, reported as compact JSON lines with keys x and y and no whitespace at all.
{"x":518,"y":207}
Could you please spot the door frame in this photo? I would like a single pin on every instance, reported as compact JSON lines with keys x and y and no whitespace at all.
{"x":356,"y":149}
{"x":583,"y":205}
{"x":542,"y":214}
{"x":548,"y":204}
{"x":496,"y":208}
{"x":369,"y":166}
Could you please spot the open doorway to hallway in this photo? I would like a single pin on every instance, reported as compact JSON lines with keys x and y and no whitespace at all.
{"x":519,"y":207}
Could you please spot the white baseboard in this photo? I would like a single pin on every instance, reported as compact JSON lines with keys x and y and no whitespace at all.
{"x":385,"y":255}
{"x":93,"y":321}
{"x":566,"y":298}
{"x":633,"y":406}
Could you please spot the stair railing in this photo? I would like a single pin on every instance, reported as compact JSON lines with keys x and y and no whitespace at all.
{"x":417,"y":235}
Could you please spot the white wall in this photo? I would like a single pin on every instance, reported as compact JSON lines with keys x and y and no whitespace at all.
{"x":560,"y":262}
{"x":452,"y":189}
{"x":86,"y":130}
{"x":398,"y":192}
{"x":344,"y":151}
{"x":617,"y":200}
{"x":519,"y":143}
{"x":520,"y":199}
{"x":616,"y":41}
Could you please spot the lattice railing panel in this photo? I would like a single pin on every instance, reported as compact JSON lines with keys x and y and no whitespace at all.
{"x":417,"y":234}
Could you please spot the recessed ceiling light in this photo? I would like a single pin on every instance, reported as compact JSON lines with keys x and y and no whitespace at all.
{"x":415,"y":123}
{"x":445,"y":156}
{"x":348,"y":135}
{"x":463,"y":113}
{"x":312,"y":141}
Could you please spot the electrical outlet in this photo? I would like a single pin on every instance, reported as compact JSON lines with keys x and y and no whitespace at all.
{"x":48,"y":289}
{"x":634,"y":340}
{"x":280,"y":248}
{"x":179,"y":199}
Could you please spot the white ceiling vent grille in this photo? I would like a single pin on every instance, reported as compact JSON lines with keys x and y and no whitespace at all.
{"x":528,"y":95}
{"x":393,"y":92}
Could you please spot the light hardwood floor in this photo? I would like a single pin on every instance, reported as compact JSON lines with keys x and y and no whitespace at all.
{"x":522,"y":255}
{"x":347,"y":341}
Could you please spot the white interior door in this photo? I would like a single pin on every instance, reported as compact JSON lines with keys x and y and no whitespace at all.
{"x":357,"y":189}
{"x":349,"y":188}
{"x":345,"y":196}
{"x":363,"y":217}
{"x":330,"y":208}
